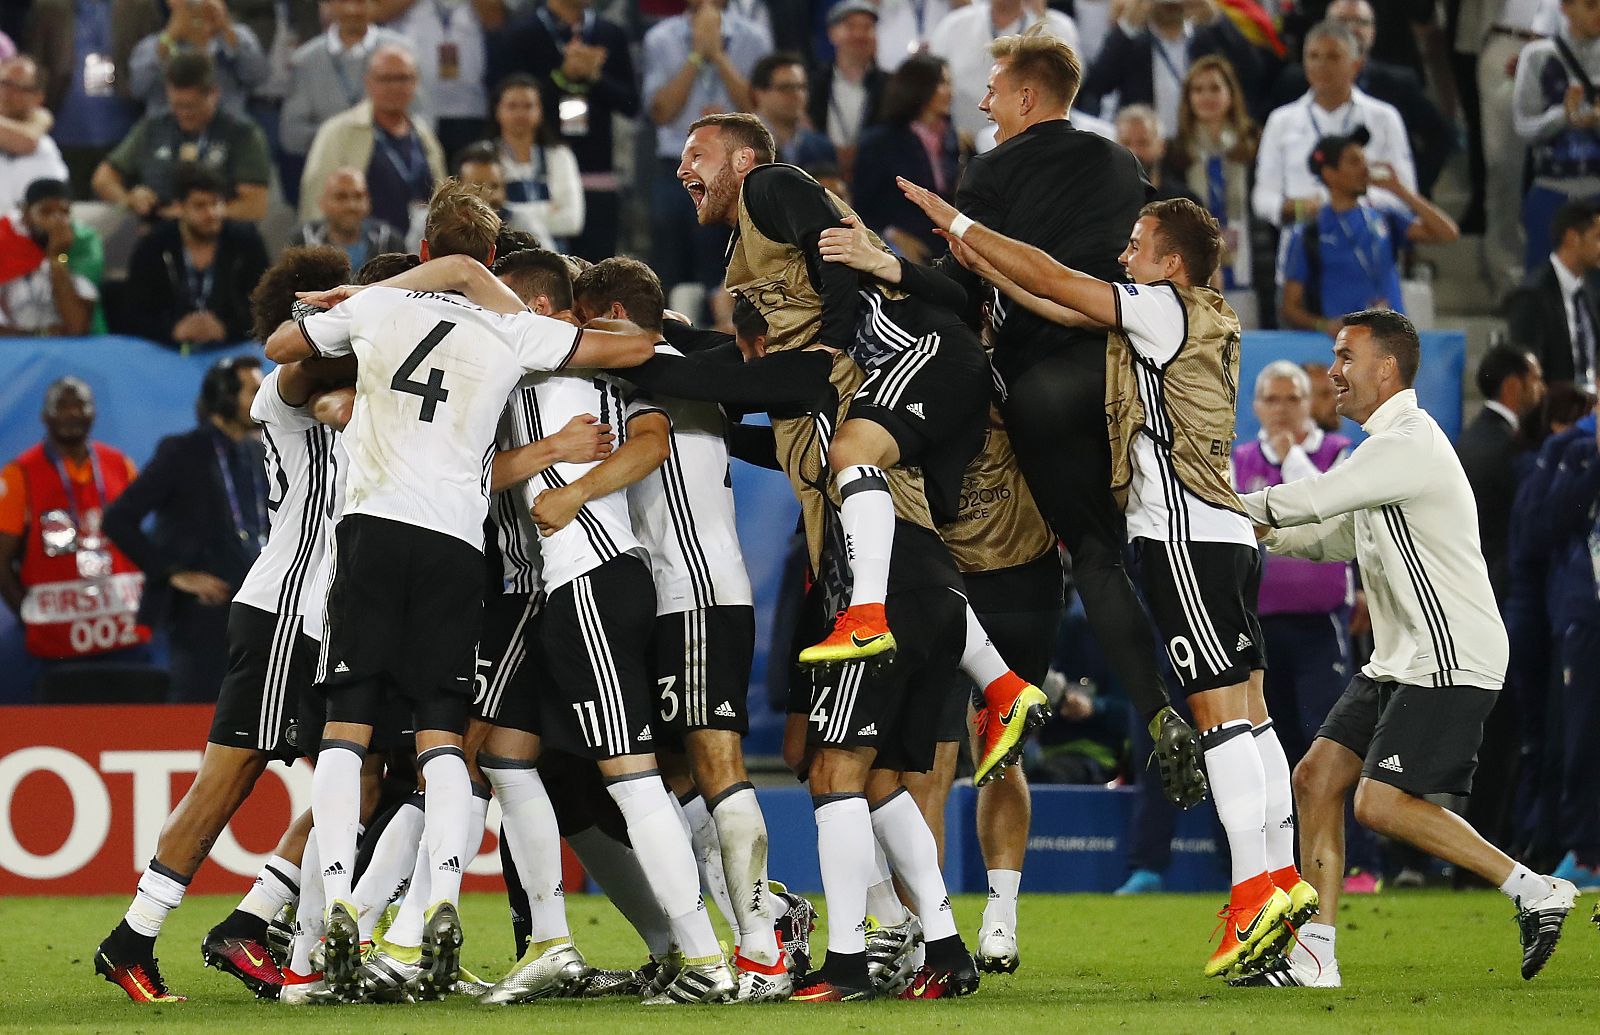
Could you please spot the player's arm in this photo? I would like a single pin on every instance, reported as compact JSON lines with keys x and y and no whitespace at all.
{"x":850,"y":246}
{"x":1386,"y":468}
{"x":583,"y":440}
{"x":334,"y":408}
{"x":790,"y":207}
{"x":648,"y":443}
{"x":1029,"y":268}
{"x":612,"y":345}
{"x":720,"y":375}
{"x":298,"y":382}
{"x":447,"y":273}
{"x":324,"y":335}
{"x":755,"y":444}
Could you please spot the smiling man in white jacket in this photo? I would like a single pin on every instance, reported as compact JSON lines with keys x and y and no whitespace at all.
{"x":1406,"y":732}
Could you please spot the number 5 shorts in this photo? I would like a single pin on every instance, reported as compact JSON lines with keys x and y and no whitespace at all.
{"x":1203,"y":599}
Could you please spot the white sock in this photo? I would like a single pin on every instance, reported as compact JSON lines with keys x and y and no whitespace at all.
{"x":1001,"y":909}
{"x":336,"y":813}
{"x":883,"y":902}
{"x":528,"y":823}
{"x":1238,"y":786}
{"x":979,"y":659}
{"x":407,"y":927}
{"x":160,"y":890}
{"x":277,"y":885}
{"x":447,"y":820}
{"x":618,"y":874}
{"x":707,"y":845}
{"x":1279,"y":798}
{"x":1314,"y":946}
{"x":393,"y":859}
{"x":742,"y":832}
{"x":1523,"y":884}
{"x":899,"y":827}
{"x":657,"y":835}
{"x":309,"y":911}
{"x":844,"y":837}
{"x":867,"y":515}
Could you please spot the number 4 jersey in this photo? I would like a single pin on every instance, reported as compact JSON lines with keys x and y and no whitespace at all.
{"x":435,"y":372}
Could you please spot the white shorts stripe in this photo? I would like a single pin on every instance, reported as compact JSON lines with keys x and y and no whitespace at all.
{"x":614,"y":719}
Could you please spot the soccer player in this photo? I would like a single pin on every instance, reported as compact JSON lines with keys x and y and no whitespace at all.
{"x":704,"y":632}
{"x":1172,"y":373}
{"x":1409,"y":724}
{"x":269,"y":669}
{"x":406,"y":600}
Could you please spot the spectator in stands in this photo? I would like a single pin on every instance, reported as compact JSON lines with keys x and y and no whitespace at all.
{"x":347,"y":222}
{"x":449,"y":38}
{"x":1214,"y":152}
{"x":693,"y":64}
{"x":778,"y":90}
{"x":847,"y":95}
{"x":479,"y":168}
{"x":326,"y":77}
{"x":1554,"y":106}
{"x":1139,"y":130}
{"x":26,"y":151}
{"x":207,"y":491}
{"x":1347,"y":256}
{"x":585,"y":74}
{"x":1286,"y":190}
{"x":1554,"y":313}
{"x":1324,"y":399}
{"x":544,"y":190}
{"x":1304,"y":605}
{"x":1512,"y":385}
{"x":961,"y":37}
{"x":83,"y":48}
{"x":401,"y":156}
{"x":914,"y":139}
{"x":190,"y":278}
{"x":905,"y":27}
{"x":198,"y":27}
{"x":140,"y":173}
{"x":53,"y":546}
{"x":828,"y":174}
{"x":1147,"y":65}
{"x":50,"y":267}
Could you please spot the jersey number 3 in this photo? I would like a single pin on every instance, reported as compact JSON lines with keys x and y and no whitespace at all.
{"x":432,"y":391}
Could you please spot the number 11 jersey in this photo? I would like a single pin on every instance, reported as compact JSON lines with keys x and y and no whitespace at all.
{"x":435,"y":372}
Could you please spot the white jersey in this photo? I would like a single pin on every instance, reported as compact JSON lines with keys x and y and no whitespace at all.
{"x":602,"y":529}
{"x":683,"y":511}
{"x":300,"y":482}
{"x":516,"y":536}
{"x":314,"y":603}
{"x":435,"y":371}
{"x":1156,"y":326}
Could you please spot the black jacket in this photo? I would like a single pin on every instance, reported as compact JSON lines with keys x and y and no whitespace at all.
{"x":160,"y":294}
{"x":822,"y":90}
{"x":890,"y":151}
{"x":1488,"y":449}
{"x":1537,"y":318}
{"x":1126,"y":65}
{"x":194,"y":528}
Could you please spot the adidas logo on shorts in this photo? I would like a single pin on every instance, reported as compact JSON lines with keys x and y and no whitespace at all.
{"x":869,"y":730}
{"x":1244,"y":641}
{"x":915,"y":409}
{"x":725,"y":710}
{"x":644,"y":736}
{"x":340,"y":667}
{"x":1392,"y":763}
{"x":451,"y":865}
{"x":334,"y":870}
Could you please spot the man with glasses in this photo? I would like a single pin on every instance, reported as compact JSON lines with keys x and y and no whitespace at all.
{"x":26,"y":151}
{"x":778,"y":89}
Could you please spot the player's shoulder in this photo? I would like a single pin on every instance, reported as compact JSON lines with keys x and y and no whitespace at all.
{"x":775,"y":179}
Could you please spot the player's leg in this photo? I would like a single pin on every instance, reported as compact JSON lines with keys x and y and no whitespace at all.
{"x":838,"y":781}
{"x":238,"y":945}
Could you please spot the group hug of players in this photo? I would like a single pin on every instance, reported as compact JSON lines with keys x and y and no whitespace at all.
{"x":568,"y":435}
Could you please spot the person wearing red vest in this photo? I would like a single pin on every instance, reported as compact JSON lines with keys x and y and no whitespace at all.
{"x":76,"y":594}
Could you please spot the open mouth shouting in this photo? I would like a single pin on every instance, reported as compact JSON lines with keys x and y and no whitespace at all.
{"x":697,"y":192}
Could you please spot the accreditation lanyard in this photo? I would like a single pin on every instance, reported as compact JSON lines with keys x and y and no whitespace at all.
{"x":1364,"y":250}
{"x":199,"y":282}
{"x":1159,"y":46}
{"x":408,"y":164}
{"x":67,"y":485}
{"x":1344,"y":128}
{"x":234,"y":509}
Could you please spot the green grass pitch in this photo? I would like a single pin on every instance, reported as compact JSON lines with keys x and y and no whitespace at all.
{"x":1432,"y":962}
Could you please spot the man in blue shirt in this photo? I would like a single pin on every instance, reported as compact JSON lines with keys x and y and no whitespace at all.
{"x":1347,"y":256}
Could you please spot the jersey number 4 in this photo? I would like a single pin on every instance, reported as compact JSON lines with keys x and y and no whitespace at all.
{"x":432,"y":391}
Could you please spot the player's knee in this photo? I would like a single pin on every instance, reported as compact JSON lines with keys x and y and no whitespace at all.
{"x":1375,"y":807}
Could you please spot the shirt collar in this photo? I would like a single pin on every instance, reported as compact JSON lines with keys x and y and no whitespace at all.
{"x":1398,"y":405}
{"x":1310,"y":444}
{"x":362,"y":46}
{"x":1568,"y":280}
{"x":1505,"y":411}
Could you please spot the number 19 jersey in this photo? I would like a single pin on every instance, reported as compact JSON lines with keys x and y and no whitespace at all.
{"x":435,"y":372}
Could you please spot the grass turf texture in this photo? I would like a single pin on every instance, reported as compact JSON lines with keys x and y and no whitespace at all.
{"x":1431,"y":962}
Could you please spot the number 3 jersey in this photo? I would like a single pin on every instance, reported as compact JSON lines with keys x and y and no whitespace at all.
{"x":435,"y":372}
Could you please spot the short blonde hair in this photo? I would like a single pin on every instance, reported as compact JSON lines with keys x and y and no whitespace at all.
{"x":460,"y":222}
{"x":1042,"y":60}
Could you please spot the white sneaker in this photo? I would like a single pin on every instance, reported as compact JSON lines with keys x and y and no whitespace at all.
{"x":756,"y":987}
{"x":1539,"y":923}
{"x":299,"y":992}
{"x":997,"y":950}
{"x":1292,"y":972}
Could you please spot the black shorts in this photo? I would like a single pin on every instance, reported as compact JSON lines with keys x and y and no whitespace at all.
{"x":510,"y":662}
{"x":702,"y":668}
{"x":1025,"y":639}
{"x":895,"y":706}
{"x":596,"y":639}
{"x":1422,"y":739}
{"x":1203,"y":599}
{"x":405,"y":608}
{"x":933,"y":397}
{"x":270,"y":664}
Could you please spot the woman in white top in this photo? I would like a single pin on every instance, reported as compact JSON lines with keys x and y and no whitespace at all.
{"x":544,"y":193}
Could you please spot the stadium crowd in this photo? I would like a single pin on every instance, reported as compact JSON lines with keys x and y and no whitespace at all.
{"x":157,"y":157}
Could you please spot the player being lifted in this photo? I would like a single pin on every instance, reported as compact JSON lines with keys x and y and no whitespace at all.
{"x":406,"y":601}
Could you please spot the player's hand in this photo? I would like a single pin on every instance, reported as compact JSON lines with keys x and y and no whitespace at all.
{"x":329,"y":298}
{"x":934,"y":207}
{"x":1262,"y":531}
{"x":584,"y":440}
{"x":203,"y":585}
{"x":973,"y":261}
{"x":555,"y":508}
{"x":850,"y":246}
